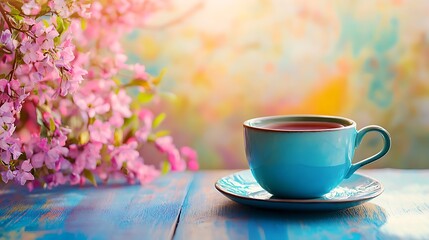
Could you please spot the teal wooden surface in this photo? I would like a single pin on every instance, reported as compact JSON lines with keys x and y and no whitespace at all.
{"x":187,"y":206}
{"x":401,"y":212}
{"x":106,"y":212}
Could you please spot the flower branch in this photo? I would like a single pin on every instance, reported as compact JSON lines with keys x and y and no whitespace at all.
{"x":65,"y":116}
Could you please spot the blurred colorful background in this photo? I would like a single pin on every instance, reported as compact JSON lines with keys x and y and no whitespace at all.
{"x":228,"y":61}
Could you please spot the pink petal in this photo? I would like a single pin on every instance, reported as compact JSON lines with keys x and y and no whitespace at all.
{"x":38,"y":159}
{"x":26,"y":166}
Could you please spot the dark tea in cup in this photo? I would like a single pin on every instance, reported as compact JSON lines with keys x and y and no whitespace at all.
{"x":302,"y":126}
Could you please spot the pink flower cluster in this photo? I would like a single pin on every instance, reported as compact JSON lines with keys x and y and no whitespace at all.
{"x":66,"y":113}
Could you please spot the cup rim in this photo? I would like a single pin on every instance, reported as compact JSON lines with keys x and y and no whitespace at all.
{"x":308,"y":117}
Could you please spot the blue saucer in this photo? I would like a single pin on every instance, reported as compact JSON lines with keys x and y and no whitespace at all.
{"x":242,"y":187}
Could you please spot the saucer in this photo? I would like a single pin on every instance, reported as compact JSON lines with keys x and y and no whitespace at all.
{"x":242,"y":187}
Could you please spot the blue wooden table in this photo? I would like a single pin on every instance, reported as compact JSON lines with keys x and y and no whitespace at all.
{"x":187,"y":206}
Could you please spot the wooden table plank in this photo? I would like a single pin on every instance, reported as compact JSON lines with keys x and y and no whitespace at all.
{"x":208,"y":214}
{"x":405,"y":202}
{"x":113,"y":211}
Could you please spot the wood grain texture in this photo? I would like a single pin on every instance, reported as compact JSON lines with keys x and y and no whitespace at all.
{"x":151,"y":212}
{"x":106,"y":212}
{"x":405,"y":202}
{"x":401,"y":212}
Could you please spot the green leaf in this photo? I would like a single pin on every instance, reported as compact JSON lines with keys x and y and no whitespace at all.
{"x":66,"y":24}
{"x":39,"y":117}
{"x":158,"y":120}
{"x":15,"y":4}
{"x":51,"y":125}
{"x":88,"y":175}
{"x":118,"y":136}
{"x":45,"y":22}
{"x":60,"y":25}
{"x":144,"y":97}
{"x":132,"y":123}
{"x":139,"y":83}
{"x":105,"y":156}
{"x":165,"y":167}
{"x":13,"y":10}
{"x":83,"y":24}
{"x":18,"y":18}
{"x":117,"y":81}
{"x":151,"y":138}
{"x":84,"y":138}
{"x":162,"y":133}
{"x":43,"y":131}
{"x":57,"y":41}
{"x":156,"y":80}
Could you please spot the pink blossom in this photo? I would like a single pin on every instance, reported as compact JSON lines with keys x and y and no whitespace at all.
{"x":87,"y":158}
{"x":56,"y":179}
{"x":23,"y":174}
{"x":3,"y":85}
{"x":83,"y":10}
{"x":96,"y":10}
{"x":120,"y":60}
{"x":144,"y":173}
{"x":140,"y":72}
{"x":26,"y":166}
{"x":30,"y":8}
{"x":31,"y":51}
{"x":91,"y":104}
{"x":143,"y":133}
{"x":7,"y":175}
{"x":100,"y":132}
{"x":45,"y":36}
{"x":46,"y":94}
{"x":146,"y":119}
{"x":27,"y":76}
{"x":46,"y":71}
{"x":165,"y":145}
{"x":47,"y":154}
{"x":6,"y":116}
{"x":65,"y":55}
{"x":62,"y":7}
{"x":51,"y":33}
{"x":13,"y":150}
{"x":74,"y":80}
{"x":66,"y":108}
{"x":38,"y":29}
{"x":145,"y":115}
{"x":22,"y":177}
{"x":120,"y":103}
{"x":190,"y":156}
{"x":9,"y":146}
{"x":116,"y":120}
{"x":177,"y":163}
{"x":123,"y":153}
{"x":6,"y":41}
{"x":75,"y":178}
{"x":22,"y":95}
{"x":9,"y":86}
{"x":60,"y":135}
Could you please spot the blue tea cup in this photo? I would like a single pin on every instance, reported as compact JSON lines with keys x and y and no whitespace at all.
{"x":305,"y":156}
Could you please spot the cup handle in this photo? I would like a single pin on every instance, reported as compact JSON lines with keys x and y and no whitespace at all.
{"x":387,"y":142}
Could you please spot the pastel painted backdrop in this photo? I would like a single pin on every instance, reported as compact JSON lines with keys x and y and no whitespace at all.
{"x":228,"y":61}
